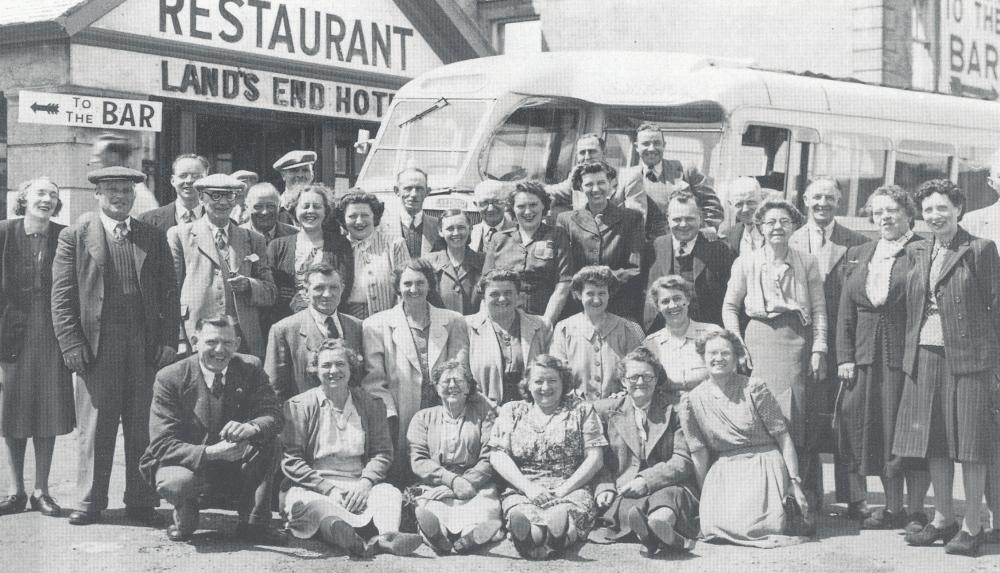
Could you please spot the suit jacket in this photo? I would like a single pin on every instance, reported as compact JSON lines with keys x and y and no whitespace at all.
{"x":968,"y":297}
{"x":861,"y":324}
{"x":477,"y":240}
{"x":15,"y":300}
{"x":290,"y":344}
{"x":712,"y":262}
{"x":633,"y":185}
{"x":486,"y":360}
{"x":162,"y":217}
{"x":203,"y":277}
{"x":664,"y":461}
{"x":458,"y":290}
{"x":300,"y":439}
{"x":78,"y":272}
{"x":589,"y":247}
{"x":432,"y":240}
{"x":180,"y":416}
{"x":393,"y":367}
{"x":281,"y":253}
{"x":280,"y":230}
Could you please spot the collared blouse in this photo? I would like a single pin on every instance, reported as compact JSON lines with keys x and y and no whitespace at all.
{"x":543,"y":262}
{"x":591,"y":354}
{"x":685,"y":367}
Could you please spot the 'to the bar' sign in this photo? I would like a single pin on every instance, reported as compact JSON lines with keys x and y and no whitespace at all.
{"x":89,"y":111}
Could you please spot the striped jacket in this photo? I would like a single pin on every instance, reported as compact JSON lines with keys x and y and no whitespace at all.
{"x":374,"y":260}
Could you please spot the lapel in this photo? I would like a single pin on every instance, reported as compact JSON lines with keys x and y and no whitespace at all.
{"x":528,"y":328}
{"x":921,"y":271}
{"x":697,"y":256}
{"x":438,"y":337}
{"x":668,"y":256}
{"x":429,"y":229}
{"x":963,"y":242}
{"x":239,"y":241}
{"x":865,"y":255}
{"x":484,"y":340}
{"x":201,"y":234}
{"x":309,"y":333}
{"x":139,"y":245}
{"x":196,"y":393}
{"x":94,"y":238}
{"x":658,"y":421}
{"x":623,"y":419}
{"x":585,"y":221}
{"x":837,"y":247}
{"x":800,"y":240}
{"x":401,"y":337}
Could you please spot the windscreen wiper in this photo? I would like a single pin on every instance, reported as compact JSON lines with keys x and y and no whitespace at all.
{"x":420,"y":115}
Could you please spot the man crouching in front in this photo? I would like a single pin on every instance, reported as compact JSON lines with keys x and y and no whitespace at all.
{"x":213,"y":431}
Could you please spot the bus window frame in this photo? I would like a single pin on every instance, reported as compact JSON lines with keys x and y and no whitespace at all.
{"x":860,"y":143}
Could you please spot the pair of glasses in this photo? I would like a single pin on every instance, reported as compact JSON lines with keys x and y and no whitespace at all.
{"x":647,"y":378}
{"x":457,"y":382}
{"x":777,"y":223}
{"x":492,"y":203}
{"x":220,"y":195}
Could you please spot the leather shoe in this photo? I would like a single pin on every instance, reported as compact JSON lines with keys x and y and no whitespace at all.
{"x":929,"y":534}
{"x":147,"y":516}
{"x":884,"y":519}
{"x":637,"y":523}
{"x":430,"y":528}
{"x":174,"y":533}
{"x":481,"y":534}
{"x":260,"y":534}
{"x":915,"y":522}
{"x":399,"y":544}
{"x":558,"y":522}
{"x":45,"y":505}
{"x":84,"y":517}
{"x":344,"y":537}
{"x":965,"y":544}
{"x":13,"y":503}
{"x":992,"y":536}
{"x":857,"y":511}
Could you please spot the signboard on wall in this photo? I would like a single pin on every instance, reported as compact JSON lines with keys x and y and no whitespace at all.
{"x":970,"y":47}
{"x":89,"y":111}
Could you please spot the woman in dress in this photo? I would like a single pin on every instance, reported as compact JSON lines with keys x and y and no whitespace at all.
{"x":647,"y":486}
{"x":743,"y":455}
{"x":538,"y":251}
{"x":548,"y":447}
{"x":950,"y":356}
{"x":505,"y":338}
{"x":870,"y":332}
{"x":337,"y":452}
{"x":674,"y":344}
{"x":458,"y":267}
{"x":457,"y":504}
{"x":593,"y":341}
{"x":291,"y":255}
{"x":403,"y":345}
{"x":36,"y":391}
{"x":376,"y":255}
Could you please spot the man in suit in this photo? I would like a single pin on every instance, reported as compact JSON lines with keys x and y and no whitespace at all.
{"x":744,"y":196}
{"x":214,"y":426}
{"x":115,"y":314}
{"x":422,"y":232}
{"x":491,"y":198}
{"x":222,"y":268}
{"x":262,"y":205}
{"x":293,"y":338}
{"x":828,"y":241}
{"x":705,"y":264}
{"x":186,"y":169}
{"x":296,"y":170}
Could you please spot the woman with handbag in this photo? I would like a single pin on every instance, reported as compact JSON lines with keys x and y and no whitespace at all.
{"x":36,"y":391}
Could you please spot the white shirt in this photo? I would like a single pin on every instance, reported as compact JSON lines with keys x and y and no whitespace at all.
{"x":405,"y":219}
{"x":210,"y":376}
{"x":110,"y":224}
{"x":180,"y":210}
{"x":320,"y":319}
{"x":656,"y":169}
{"x":880,"y":268}
{"x":820,"y":245}
{"x":687,"y":247}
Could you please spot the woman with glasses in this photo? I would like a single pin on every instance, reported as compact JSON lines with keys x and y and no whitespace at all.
{"x":647,"y":486}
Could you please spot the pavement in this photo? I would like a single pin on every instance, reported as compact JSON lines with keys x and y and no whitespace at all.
{"x":31,"y":542}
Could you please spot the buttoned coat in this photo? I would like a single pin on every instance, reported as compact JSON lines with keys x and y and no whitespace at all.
{"x":393,"y":367}
{"x":203,"y":277}
{"x":180,"y":427}
{"x":711,"y":265}
{"x":486,"y":358}
{"x":592,"y":357}
{"x":290,"y":344}
{"x":458,"y":289}
{"x":664,"y":461}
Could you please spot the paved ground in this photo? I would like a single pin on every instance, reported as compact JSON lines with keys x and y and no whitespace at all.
{"x":30,"y":542}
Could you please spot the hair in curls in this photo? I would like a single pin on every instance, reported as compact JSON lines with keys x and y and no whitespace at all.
{"x":899,"y":195}
{"x":499,"y":275}
{"x":357,"y":196}
{"x":646,"y":356}
{"x":674,"y":282}
{"x":794,"y":214}
{"x":455,"y":365}
{"x":532,"y":188}
{"x":590,"y":167}
{"x":21,"y":199}
{"x":324,"y":192}
{"x":353,"y":359}
{"x":422,"y":266}
{"x":732,"y":339}
{"x":598,"y":275}
{"x":552,"y":363}
{"x":945,"y":187}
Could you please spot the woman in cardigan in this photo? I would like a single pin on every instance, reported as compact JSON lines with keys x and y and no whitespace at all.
{"x":36,"y":400}
{"x":457,"y":504}
{"x":337,"y":451}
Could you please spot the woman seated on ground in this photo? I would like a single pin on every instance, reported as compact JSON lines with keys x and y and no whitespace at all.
{"x":547,"y":447}
{"x":337,"y":451}
{"x":648,"y":485}
{"x":737,"y":423}
{"x":457,"y":504}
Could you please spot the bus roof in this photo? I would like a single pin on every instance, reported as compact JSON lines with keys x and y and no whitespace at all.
{"x":659,"y":79}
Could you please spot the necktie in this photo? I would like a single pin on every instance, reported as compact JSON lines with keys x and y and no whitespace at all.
{"x":188,"y":216}
{"x":489,"y":235}
{"x":217,"y":385}
{"x":220,"y":240}
{"x":331,"y":328}
{"x":822,"y":237}
{"x":121,"y":231}
{"x":651,"y":175}
{"x":682,"y":249}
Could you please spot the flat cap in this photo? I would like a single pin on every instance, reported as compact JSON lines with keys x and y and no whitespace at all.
{"x":218,"y":181}
{"x":295,"y":159}
{"x":244,"y":173}
{"x":116,"y":173}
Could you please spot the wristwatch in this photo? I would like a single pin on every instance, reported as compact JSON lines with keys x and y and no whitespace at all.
{"x":795,"y":479}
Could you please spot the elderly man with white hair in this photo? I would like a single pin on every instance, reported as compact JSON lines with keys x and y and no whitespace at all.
{"x":492,"y":198}
{"x":744,"y":196}
{"x":262,"y":204}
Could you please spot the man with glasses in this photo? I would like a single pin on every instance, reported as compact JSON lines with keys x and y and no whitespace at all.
{"x":222,"y":268}
{"x":744,"y":196}
{"x":185,"y":170}
{"x":492,"y":198}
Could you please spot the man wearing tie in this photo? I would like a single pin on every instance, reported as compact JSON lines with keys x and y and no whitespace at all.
{"x":115,"y":314}
{"x":419,"y":230}
{"x":828,"y":241}
{"x":744,"y":196}
{"x":491,"y":198}
{"x":683,"y":251}
{"x":262,"y":206}
{"x":186,"y":169}
{"x":293,"y":338}
{"x":222,"y":268}
{"x":214,"y":425}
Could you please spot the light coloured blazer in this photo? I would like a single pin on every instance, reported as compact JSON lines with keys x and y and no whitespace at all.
{"x":393,"y":367}
{"x":376,"y":258}
{"x":486,"y":358}
{"x":203,"y":277}
{"x":478,"y":234}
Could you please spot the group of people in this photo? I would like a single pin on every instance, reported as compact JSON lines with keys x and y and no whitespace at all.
{"x":596,"y":359}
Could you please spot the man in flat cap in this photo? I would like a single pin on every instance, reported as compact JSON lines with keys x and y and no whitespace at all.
{"x":221,"y":267}
{"x":186,"y":169}
{"x":420,"y":230}
{"x":296,"y":170}
{"x":115,"y":314}
{"x":249,"y":179}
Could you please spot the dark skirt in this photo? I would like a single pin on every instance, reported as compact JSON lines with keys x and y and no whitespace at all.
{"x":676,"y":498}
{"x":942,"y":415}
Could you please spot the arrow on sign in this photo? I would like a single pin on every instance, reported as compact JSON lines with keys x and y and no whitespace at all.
{"x":960,"y":89}
{"x":51,"y":108}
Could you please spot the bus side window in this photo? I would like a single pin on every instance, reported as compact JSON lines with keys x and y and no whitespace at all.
{"x":973,"y":174}
{"x":764,"y":155}
{"x":912,"y":169}
{"x":858,"y":163}
{"x":618,"y":149}
{"x":534,"y":143}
